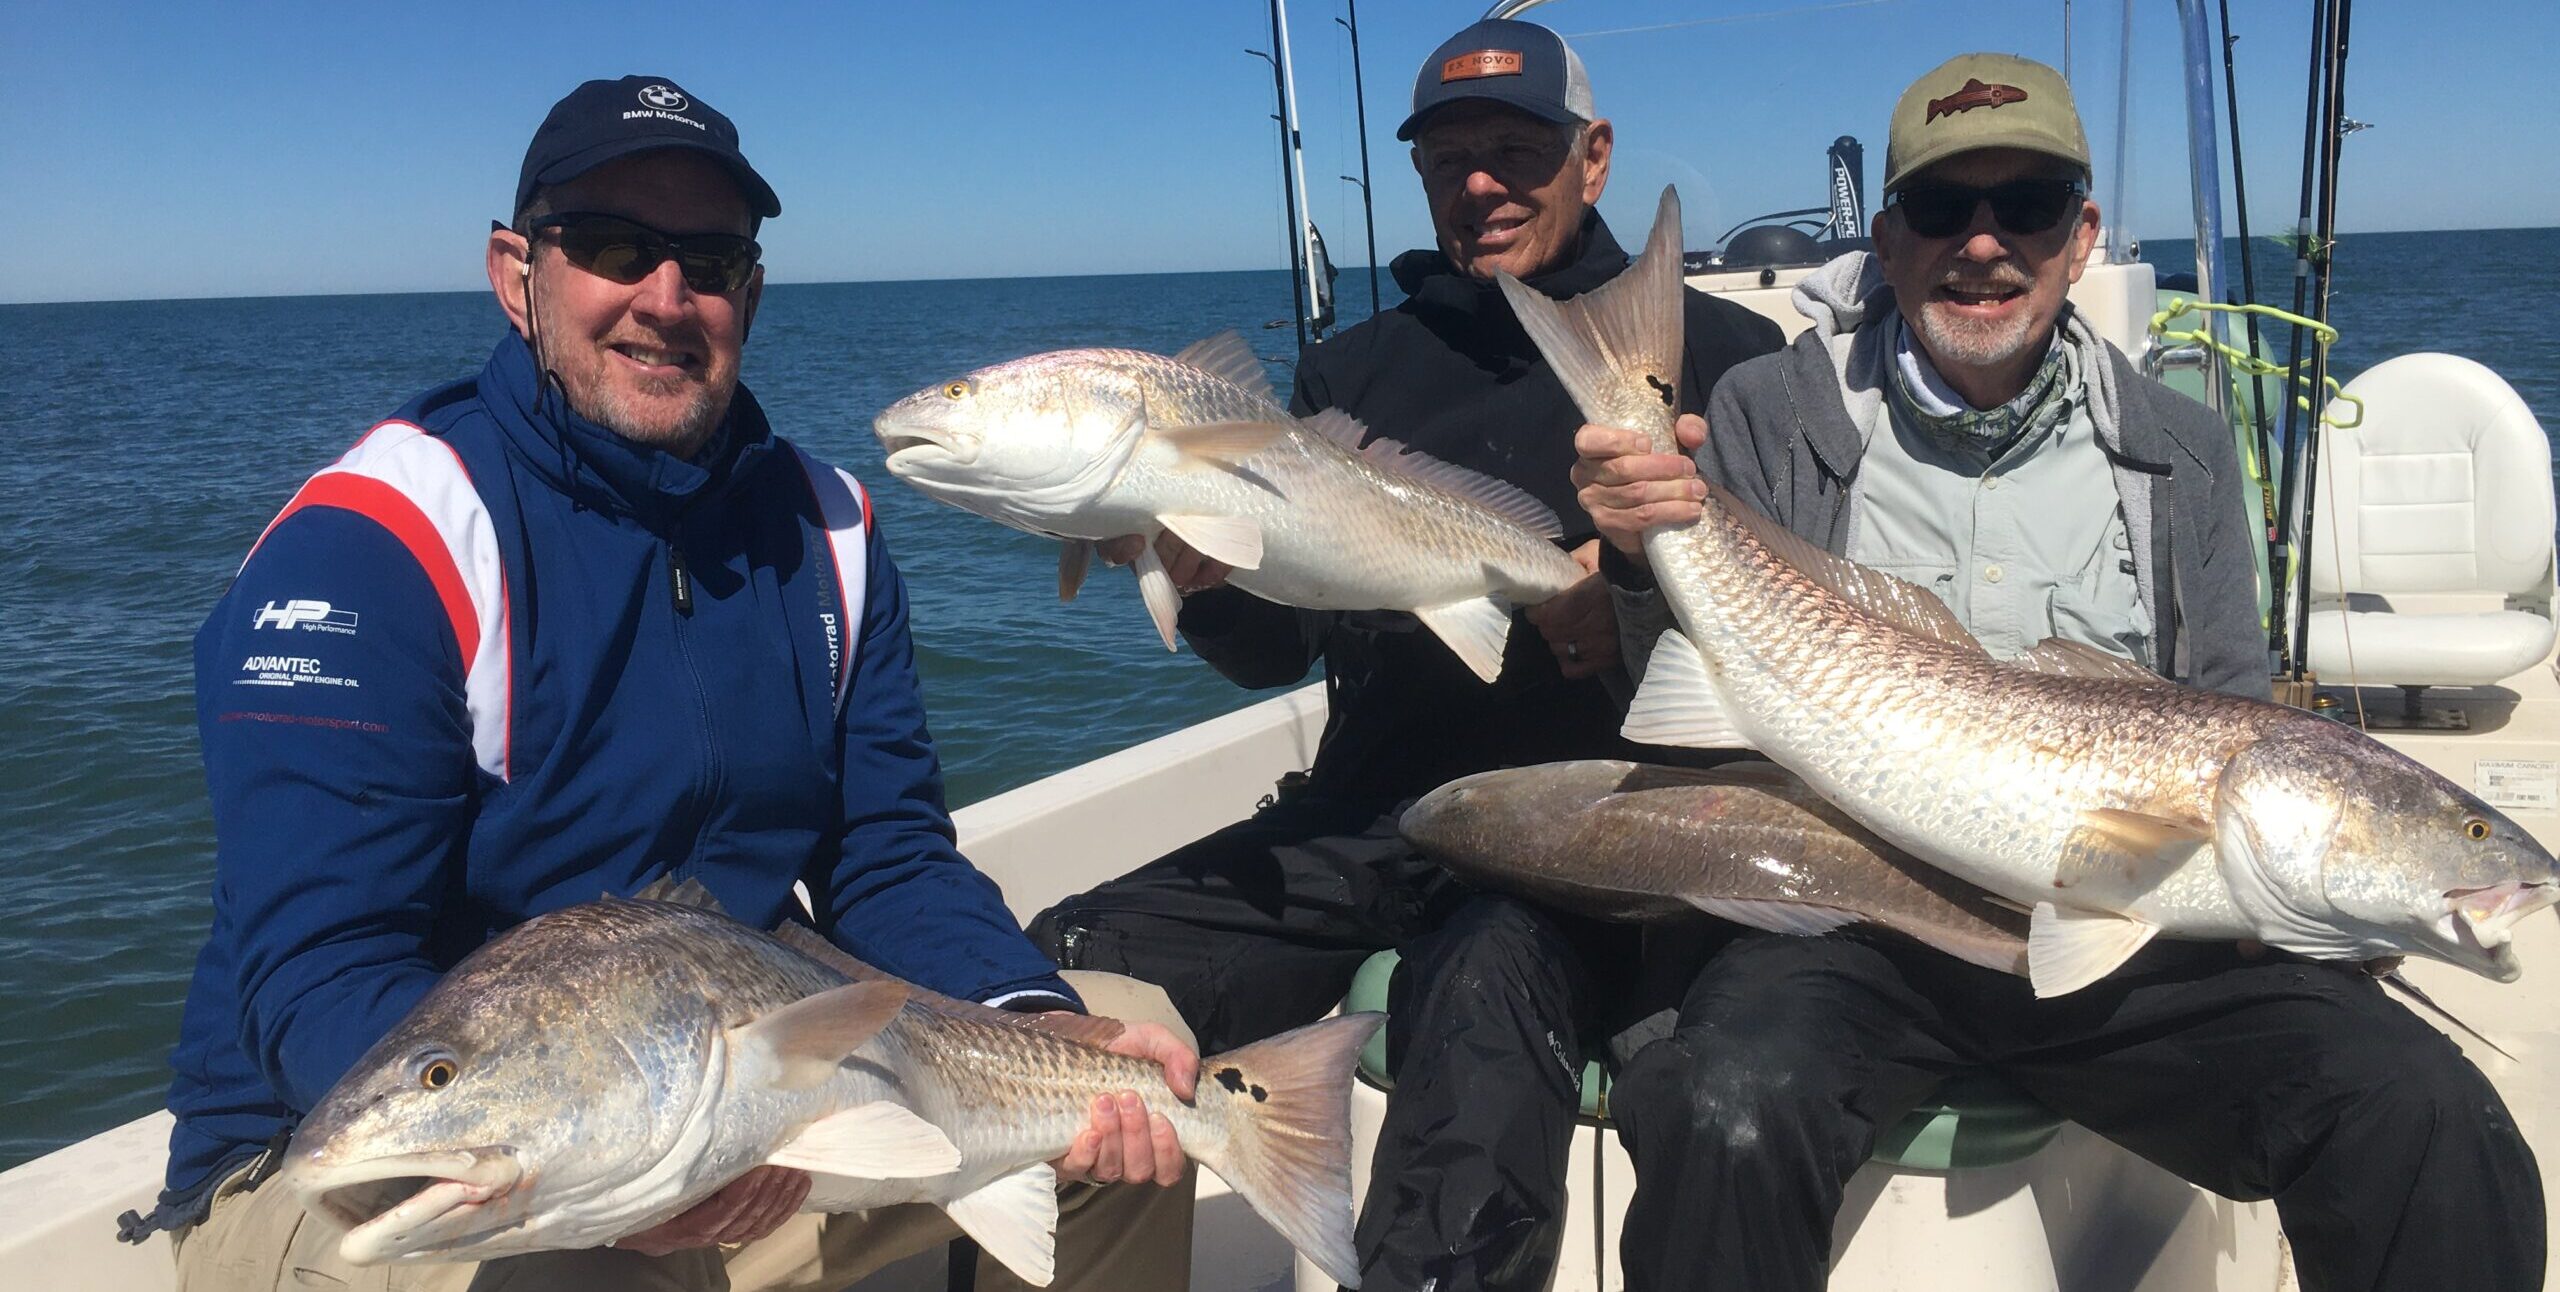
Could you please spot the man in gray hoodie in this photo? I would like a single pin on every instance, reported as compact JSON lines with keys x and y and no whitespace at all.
{"x":1950,"y":420}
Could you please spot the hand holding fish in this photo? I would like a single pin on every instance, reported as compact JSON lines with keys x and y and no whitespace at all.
{"x":1628,"y":488}
{"x":1124,"y":1143}
{"x":745,"y":1209}
{"x":1580,"y":623}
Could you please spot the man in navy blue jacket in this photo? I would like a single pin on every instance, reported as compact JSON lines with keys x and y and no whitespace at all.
{"x":576,"y":624}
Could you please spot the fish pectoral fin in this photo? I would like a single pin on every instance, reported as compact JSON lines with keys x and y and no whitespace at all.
{"x":874,"y":1141}
{"x":800,"y":1044}
{"x":1796,"y":919}
{"x":1155,"y":587}
{"x":1229,"y":540}
{"x":1075,"y":556}
{"x":1015,"y":1220}
{"x":1217,"y":444}
{"x":2068,"y":949}
{"x":1677,"y":703}
{"x":1475,"y":631}
{"x":2115,"y":855}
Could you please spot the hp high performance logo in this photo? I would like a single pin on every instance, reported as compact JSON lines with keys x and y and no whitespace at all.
{"x":665,"y":98}
{"x":309,"y":616}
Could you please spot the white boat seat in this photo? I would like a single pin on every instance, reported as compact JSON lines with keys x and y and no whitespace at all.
{"x":2444,"y":488}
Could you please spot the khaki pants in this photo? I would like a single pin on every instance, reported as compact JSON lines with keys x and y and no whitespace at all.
{"x":1135,"y":1237}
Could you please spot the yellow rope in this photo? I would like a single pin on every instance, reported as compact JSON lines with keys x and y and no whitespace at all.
{"x":2239,"y":363}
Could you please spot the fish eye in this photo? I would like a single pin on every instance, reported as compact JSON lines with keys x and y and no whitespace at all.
{"x":438,"y":1074}
{"x":2475,"y":829}
{"x":956,"y":390}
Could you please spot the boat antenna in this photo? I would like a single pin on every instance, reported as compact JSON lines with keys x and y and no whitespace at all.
{"x":2259,"y":413}
{"x":1360,"y":106}
{"x":2316,"y":237}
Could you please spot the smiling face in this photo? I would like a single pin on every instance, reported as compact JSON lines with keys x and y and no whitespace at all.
{"x":1508,"y":191}
{"x":654,"y":361}
{"x":1983,"y":301}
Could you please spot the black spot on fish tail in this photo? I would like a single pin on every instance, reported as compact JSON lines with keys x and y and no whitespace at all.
{"x":1260,"y":1095}
{"x":1660,"y":387}
{"x":1233,"y":1080}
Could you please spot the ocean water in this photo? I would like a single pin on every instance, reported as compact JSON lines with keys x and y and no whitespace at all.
{"x":150,"y":441}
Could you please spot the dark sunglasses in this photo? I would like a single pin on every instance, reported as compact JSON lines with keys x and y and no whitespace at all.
{"x":626,"y":251}
{"x":2022,"y":206}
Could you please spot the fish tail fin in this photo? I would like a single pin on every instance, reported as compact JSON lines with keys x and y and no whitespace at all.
{"x":1617,"y":346}
{"x":1288,"y":1149}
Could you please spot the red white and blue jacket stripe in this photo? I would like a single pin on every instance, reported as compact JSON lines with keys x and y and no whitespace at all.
{"x":496,"y":661}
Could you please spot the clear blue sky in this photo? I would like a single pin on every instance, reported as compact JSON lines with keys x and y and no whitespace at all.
{"x":164,"y":150}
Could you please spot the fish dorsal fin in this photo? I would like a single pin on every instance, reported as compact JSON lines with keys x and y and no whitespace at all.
{"x":1226,"y":357}
{"x":2062,"y":658}
{"x":804,"y":1041}
{"x":1503,"y":499}
{"x":680,"y":892}
{"x":1904,"y":605}
{"x":1087,"y":1029}
{"x":809,"y":942}
{"x":2069,"y":949}
{"x":1015,"y":1220}
{"x":876,"y":1141}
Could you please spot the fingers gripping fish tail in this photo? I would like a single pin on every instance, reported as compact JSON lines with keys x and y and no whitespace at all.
{"x":1288,"y":1148}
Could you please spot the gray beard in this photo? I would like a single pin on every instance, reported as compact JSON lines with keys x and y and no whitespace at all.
{"x":1971,"y":345}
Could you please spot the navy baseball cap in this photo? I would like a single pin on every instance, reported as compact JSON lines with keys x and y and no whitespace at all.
{"x":1517,"y":64}
{"x":603,"y":120}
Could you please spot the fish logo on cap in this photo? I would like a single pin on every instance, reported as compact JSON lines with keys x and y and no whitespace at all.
{"x":1974,"y":95}
{"x":665,"y":98}
{"x":1483,"y":62}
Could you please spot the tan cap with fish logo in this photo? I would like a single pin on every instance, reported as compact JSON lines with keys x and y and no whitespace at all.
{"x":1975,"y":101}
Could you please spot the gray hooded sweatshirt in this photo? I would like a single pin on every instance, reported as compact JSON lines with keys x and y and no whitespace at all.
{"x":1788,"y":433}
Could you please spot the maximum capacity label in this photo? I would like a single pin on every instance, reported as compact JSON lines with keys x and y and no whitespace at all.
{"x":2532,"y":783}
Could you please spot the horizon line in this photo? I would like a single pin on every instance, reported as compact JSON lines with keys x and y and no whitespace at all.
{"x":1342,"y":269}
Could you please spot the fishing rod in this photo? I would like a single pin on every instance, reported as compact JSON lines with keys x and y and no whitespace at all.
{"x":2258,"y":415}
{"x":2332,"y":134}
{"x":1288,"y":199}
{"x":1360,"y":106}
{"x":2292,"y":351}
{"x":1315,"y":273}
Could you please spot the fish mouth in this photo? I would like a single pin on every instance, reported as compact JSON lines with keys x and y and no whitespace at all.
{"x":909,"y":450}
{"x":2481,"y":922}
{"x":411,"y":1203}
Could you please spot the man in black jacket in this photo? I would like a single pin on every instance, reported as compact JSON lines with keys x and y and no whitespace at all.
{"x":1260,"y":926}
